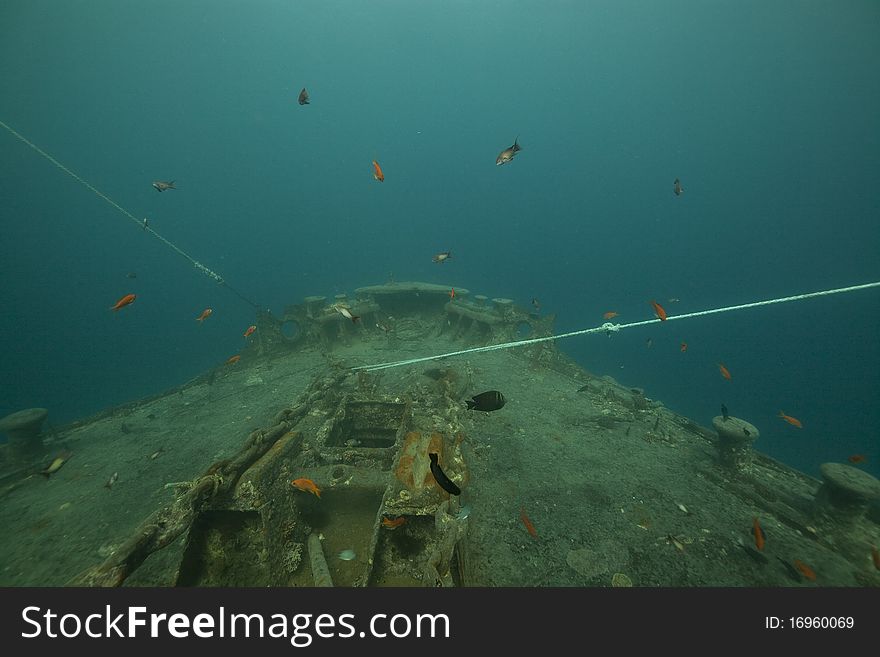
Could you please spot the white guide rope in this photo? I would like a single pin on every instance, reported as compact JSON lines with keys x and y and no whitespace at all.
{"x":609,"y":328}
{"x":142,"y":223}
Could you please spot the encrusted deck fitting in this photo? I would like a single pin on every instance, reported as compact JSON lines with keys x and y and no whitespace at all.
{"x":735,"y":438}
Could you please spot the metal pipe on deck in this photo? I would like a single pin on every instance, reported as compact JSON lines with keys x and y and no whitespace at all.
{"x":320,"y":571}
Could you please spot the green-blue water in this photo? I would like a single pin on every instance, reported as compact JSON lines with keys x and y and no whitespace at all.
{"x":766,"y":111}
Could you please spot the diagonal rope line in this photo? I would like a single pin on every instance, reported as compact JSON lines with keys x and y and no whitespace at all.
{"x":613,"y":328}
{"x":142,"y":223}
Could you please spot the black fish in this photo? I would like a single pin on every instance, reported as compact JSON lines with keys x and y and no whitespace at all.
{"x":440,"y":477}
{"x":724,"y":413}
{"x":303,"y":97}
{"x":491,"y":400}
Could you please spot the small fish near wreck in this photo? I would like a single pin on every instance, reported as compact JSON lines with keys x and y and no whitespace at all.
{"x":508,"y":154}
{"x":440,"y":477}
{"x":805,"y":570}
{"x":758,"y":533}
{"x":793,"y":421}
{"x":388,"y":523}
{"x":491,"y":400}
{"x":303,"y":97}
{"x":377,"y":172}
{"x":442,"y":257}
{"x":56,"y":464}
{"x":677,"y":189}
{"x":112,"y":480}
{"x":307,"y":486}
{"x":345,"y":312}
{"x":659,"y":311}
{"x":161,"y":186}
{"x":123,"y":302}
{"x":530,"y":528}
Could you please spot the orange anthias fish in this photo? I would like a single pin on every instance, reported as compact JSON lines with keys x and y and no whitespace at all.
{"x":610,"y":315}
{"x":307,"y":485}
{"x":791,"y":420}
{"x":250,"y":330}
{"x":388,"y":523}
{"x":684,"y":347}
{"x":658,"y":310}
{"x":232,"y":360}
{"x":857,"y":458}
{"x":377,"y":172}
{"x":528,"y":523}
{"x":205,"y":314}
{"x":452,"y":293}
{"x":759,"y":535}
{"x":806,"y":571}
{"x":124,"y":301}
{"x":724,"y":371}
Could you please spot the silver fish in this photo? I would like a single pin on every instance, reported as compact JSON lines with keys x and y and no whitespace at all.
{"x":508,"y":154}
{"x":112,"y":480}
{"x":345,"y":312}
{"x":347,"y":555}
{"x":161,"y":186}
{"x":442,"y":257}
{"x":676,"y":187}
